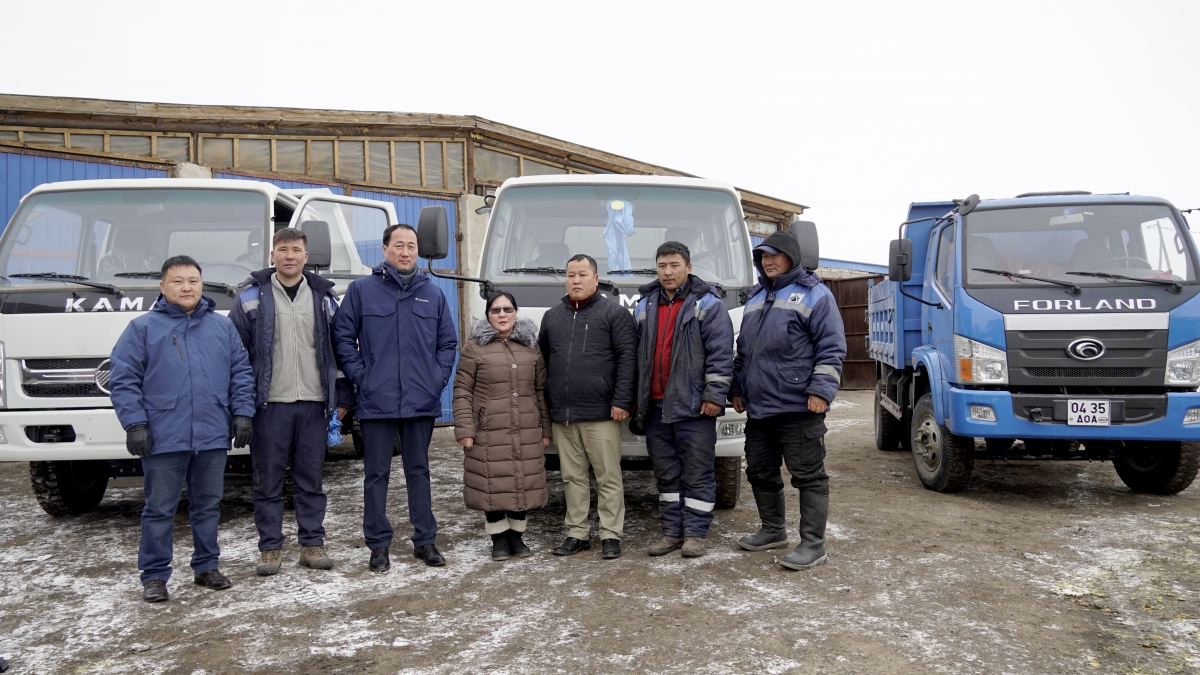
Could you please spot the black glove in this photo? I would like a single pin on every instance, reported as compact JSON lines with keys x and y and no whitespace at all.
{"x":137,"y":440}
{"x":243,"y":431}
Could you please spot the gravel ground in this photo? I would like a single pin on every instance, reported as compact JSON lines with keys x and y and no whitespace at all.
{"x":1039,"y":567}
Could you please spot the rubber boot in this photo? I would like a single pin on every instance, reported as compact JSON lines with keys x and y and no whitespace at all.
{"x":773,"y":533}
{"x":814,"y":510}
{"x":500,"y":547}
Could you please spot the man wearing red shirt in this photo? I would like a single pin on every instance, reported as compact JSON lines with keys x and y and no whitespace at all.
{"x":685,"y":368}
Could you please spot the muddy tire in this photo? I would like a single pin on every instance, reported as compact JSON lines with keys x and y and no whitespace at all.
{"x":890,"y":433}
{"x":729,"y":481}
{"x":68,"y":488}
{"x":356,"y":436}
{"x":943,"y":460}
{"x":1157,"y":468}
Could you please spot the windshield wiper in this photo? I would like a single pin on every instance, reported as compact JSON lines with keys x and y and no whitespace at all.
{"x":72,"y":278}
{"x":1176,"y":287}
{"x":553,"y":271}
{"x":231,"y":291}
{"x":1075,"y":290}
{"x":646,"y":271}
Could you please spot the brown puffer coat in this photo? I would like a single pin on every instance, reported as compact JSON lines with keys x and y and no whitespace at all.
{"x":498,"y":401}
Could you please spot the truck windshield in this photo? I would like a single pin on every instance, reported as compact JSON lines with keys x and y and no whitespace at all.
{"x":1141,"y":241}
{"x":535,"y":229}
{"x":122,"y":237}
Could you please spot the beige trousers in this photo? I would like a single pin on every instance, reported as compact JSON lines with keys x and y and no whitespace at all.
{"x":598,"y":444}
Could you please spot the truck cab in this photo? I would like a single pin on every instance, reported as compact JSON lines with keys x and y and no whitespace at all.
{"x":536,"y":223}
{"x":1047,"y":326}
{"x":79,"y":260}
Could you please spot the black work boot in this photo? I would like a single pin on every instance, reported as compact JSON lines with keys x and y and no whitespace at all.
{"x":500,"y":549}
{"x":516,"y":545}
{"x":773,"y":533}
{"x":154,"y":591}
{"x":814,"y":511}
{"x":379,"y":560}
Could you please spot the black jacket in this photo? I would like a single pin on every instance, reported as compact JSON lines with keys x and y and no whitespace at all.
{"x":591,"y":359}
{"x":254,"y":316}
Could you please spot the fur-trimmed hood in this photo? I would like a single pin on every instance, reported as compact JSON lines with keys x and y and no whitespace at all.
{"x":524,"y":332}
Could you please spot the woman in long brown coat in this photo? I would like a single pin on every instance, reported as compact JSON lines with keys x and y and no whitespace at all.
{"x":503,"y":424}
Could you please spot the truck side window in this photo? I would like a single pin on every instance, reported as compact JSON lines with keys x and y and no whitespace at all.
{"x":945,"y":260}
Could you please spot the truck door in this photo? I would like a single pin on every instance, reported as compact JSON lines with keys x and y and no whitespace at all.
{"x":939,"y":323}
{"x":355,"y":229}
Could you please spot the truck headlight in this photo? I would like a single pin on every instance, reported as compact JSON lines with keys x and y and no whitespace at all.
{"x":1183,"y":366}
{"x":979,"y":363}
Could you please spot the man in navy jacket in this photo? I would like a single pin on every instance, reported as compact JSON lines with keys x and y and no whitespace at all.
{"x":395,"y":340}
{"x":284,"y":316}
{"x":182,"y":387}
{"x":786,"y":373}
{"x":685,"y":367}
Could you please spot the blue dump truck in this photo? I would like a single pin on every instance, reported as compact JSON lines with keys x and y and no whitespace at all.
{"x":1047,"y":326}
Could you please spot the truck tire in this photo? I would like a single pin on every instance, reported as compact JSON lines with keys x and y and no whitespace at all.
{"x":69,"y":488}
{"x":729,"y":481}
{"x":943,"y":460}
{"x":357,"y":439}
{"x":889,"y":431}
{"x":1157,"y":468}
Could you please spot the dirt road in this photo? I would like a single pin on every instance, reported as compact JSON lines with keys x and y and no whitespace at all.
{"x":1036,"y":568}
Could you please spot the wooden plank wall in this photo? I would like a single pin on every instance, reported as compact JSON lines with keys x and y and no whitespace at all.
{"x":858,"y":370}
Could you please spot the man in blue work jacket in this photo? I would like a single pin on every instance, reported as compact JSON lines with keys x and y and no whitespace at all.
{"x":395,"y":339}
{"x":182,"y":387}
{"x":685,"y":367}
{"x":786,"y":373}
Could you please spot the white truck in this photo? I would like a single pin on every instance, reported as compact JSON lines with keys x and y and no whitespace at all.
{"x":80,"y":259}
{"x":537,"y":222}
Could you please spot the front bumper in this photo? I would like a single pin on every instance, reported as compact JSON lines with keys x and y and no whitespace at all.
{"x":1007,"y":425}
{"x":98,"y":435}
{"x":730,"y":446}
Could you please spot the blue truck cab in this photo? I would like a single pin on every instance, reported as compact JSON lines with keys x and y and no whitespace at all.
{"x":1047,"y":326}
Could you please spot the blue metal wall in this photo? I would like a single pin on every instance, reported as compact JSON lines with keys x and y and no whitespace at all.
{"x":21,"y":173}
{"x":407,"y":211}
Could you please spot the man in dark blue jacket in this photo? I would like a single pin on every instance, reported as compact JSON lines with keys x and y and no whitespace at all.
{"x":284,"y":315}
{"x":181,"y":386}
{"x":787,"y":372}
{"x":395,"y":339}
{"x":685,"y":367}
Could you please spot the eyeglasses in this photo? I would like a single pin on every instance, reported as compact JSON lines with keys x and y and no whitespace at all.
{"x":497,"y":311}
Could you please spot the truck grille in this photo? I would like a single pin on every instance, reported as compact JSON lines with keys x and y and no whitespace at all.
{"x":59,"y":390}
{"x":61,"y":364}
{"x":60,"y":378}
{"x":1084,"y":372}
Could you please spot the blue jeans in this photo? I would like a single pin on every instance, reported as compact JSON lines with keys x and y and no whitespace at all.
{"x":166,"y":473}
{"x":378,"y":438}
{"x":683,"y":455}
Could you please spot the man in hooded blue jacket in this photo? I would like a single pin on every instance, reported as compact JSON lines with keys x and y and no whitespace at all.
{"x":182,"y":387}
{"x":786,"y":373}
{"x":395,"y":340}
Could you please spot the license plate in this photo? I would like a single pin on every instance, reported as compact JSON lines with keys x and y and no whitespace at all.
{"x":1088,"y":413}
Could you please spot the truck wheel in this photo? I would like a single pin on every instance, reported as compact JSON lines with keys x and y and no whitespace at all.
{"x":1157,"y":468}
{"x":68,"y":488}
{"x":729,"y":481}
{"x":944,"y":461}
{"x":356,"y":437}
{"x":889,"y":431}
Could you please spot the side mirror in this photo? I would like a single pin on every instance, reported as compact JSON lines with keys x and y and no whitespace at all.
{"x":488,"y":200}
{"x":900,"y":260}
{"x":810,"y":245}
{"x":319,"y":253}
{"x":433,"y":233}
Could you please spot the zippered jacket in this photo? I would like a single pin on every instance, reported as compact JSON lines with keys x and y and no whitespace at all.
{"x":591,"y":359}
{"x":254,"y":316}
{"x":397,"y":344}
{"x":792,"y":341}
{"x":701,"y":351}
{"x":185,"y":377}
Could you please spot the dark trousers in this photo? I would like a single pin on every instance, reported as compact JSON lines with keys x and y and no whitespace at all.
{"x":794,"y":439}
{"x":683,"y":455}
{"x":378,"y":438}
{"x":166,"y":473}
{"x":295,"y":431}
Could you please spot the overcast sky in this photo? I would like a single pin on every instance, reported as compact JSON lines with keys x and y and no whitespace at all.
{"x":853,"y":109}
